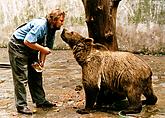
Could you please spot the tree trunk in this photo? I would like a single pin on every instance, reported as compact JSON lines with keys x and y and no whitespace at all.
{"x":101,"y":21}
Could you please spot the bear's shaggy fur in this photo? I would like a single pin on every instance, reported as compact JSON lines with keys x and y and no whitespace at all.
{"x":106,"y":74}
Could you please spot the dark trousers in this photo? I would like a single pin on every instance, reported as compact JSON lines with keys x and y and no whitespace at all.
{"x":21,"y":57}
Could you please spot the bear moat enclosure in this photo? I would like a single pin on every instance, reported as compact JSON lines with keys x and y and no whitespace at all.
{"x":139,"y":27}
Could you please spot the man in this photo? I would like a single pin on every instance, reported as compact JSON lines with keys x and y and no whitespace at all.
{"x":31,"y":43}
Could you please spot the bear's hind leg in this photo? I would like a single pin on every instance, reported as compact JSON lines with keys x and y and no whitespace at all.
{"x":148,"y":92}
{"x":151,"y":98}
{"x":135,"y":104}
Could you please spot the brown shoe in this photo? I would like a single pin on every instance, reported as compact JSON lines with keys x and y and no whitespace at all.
{"x":26,"y":110}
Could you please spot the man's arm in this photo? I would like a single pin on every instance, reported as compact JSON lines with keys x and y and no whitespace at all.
{"x":42,"y":59}
{"x":36,"y":46}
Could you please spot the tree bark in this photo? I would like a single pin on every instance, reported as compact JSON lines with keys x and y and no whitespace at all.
{"x":101,"y":21}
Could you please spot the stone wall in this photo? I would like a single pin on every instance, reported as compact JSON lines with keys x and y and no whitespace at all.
{"x":141,"y":26}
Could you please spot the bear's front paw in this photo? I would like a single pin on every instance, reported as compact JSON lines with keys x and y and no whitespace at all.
{"x":83,"y":111}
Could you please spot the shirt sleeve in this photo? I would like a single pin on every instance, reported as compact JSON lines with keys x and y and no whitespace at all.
{"x":36,"y":32}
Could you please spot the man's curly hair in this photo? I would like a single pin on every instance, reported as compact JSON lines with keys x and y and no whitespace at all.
{"x":55,"y":15}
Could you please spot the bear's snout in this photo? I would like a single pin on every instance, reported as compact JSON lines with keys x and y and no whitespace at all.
{"x":63,"y":32}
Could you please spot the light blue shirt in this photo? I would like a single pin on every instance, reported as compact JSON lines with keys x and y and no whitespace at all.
{"x":34,"y":31}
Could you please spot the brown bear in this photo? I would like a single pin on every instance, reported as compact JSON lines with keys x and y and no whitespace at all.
{"x":106,"y":73}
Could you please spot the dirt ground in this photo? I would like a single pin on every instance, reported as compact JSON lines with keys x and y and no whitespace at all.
{"x":62,"y":83}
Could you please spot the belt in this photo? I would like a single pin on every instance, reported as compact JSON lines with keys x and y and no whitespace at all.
{"x":17,"y":40}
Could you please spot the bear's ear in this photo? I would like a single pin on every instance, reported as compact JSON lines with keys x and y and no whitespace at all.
{"x":89,"y":41}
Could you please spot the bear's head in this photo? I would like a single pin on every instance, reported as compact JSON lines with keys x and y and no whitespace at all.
{"x":80,"y":45}
{"x":73,"y":38}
